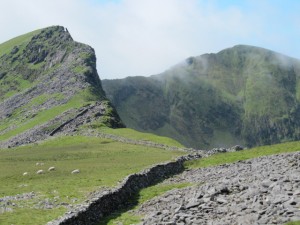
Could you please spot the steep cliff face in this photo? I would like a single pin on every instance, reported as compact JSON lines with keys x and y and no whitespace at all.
{"x":242,"y":95}
{"x":46,"y":80}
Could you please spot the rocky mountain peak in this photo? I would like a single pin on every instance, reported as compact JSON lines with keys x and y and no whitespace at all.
{"x":47,"y":72}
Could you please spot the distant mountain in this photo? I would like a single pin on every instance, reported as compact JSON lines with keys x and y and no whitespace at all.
{"x":242,"y":95}
{"x":48,"y":85}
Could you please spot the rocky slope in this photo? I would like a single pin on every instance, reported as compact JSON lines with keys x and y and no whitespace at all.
{"x":48,"y":85}
{"x":264,"y":190}
{"x":242,"y":95}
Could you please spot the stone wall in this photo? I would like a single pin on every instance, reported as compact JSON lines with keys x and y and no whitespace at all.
{"x":107,"y":202}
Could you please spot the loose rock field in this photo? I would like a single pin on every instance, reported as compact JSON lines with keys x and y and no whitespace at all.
{"x":264,"y":190}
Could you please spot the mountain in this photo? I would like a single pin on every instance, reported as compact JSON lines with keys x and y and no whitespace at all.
{"x":49,"y":85}
{"x":242,"y":95}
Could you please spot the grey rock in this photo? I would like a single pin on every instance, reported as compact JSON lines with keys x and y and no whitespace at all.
{"x":240,"y":193}
{"x":192,"y":203}
{"x":221,"y":200}
{"x":56,"y":59}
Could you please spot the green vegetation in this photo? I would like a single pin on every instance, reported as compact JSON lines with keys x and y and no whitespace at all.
{"x":49,"y":59}
{"x":89,"y":95}
{"x":13,"y":84}
{"x":35,"y":216}
{"x":80,"y":69}
{"x":293,"y":223}
{"x":22,"y":40}
{"x":127,"y":217}
{"x":136,"y":135}
{"x":249,"y":94}
{"x":102,"y":163}
{"x":41,"y":117}
{"x":212,"y":100}
{"x":41,"y":99}
{"x":232,"y":157}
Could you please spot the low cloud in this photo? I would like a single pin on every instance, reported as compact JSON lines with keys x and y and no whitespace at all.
{"x":141,"y":37}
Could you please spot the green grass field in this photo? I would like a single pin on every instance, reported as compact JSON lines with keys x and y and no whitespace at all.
{"x":127,"y":217}
{"x":232,"y":157}
{"x":102,"y":163}
{"x":293,"y":223}
{"x":136,"y":135}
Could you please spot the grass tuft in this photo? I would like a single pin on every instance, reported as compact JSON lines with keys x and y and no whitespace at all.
{"x":232,"y":157}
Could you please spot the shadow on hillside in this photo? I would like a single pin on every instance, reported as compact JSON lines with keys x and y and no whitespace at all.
{"x":130,"y":205}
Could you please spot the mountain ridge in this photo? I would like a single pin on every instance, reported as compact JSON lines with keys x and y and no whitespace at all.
{"x":45,"y":81}
{"x":216,"y":100}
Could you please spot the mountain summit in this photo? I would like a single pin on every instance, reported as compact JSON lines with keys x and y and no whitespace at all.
{"x":48,"y":85}
{"x":242,"y":95}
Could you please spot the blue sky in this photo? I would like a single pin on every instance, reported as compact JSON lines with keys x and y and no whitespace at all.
{"x":145,"y":37}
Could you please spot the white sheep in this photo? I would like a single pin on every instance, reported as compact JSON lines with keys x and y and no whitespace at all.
{"x":75,"y":171}
{"x":25,"y":173}
{"x":52,"y":168}
{"x":39,"y":164}
{"x":40,"y":172}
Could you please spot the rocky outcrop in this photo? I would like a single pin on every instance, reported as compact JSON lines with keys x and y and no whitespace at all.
{"x":54,"y":76}
{"x":62,"y":124}
{"x":264,"y":190}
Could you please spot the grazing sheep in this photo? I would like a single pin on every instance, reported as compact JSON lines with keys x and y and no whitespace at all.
{"x":52,"y":168}
{"x":25,"y":173}
{"x":40,"y":172}
{"x":39,"y":164}
{"x":75,"y":171}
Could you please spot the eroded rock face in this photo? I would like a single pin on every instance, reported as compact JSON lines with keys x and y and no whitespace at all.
{"x":265,"y":190}
{"x":48,"y":73}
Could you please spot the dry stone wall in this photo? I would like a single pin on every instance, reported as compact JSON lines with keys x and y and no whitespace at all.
{"x":109,"y":201}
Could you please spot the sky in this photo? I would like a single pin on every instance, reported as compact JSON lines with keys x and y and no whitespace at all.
{"x":146,"y":37}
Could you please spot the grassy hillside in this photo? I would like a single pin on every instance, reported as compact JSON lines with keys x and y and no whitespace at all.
{"x":21,"y":123}
{"x":46,"y":80}
{"x":102,"y":163}
{"x":22,"y":41}
{"x":52,"y":105}
{"x":232,"y":157}
{"x":242,"y":95}
{"x":136,"y":135}
{"x":127,"y":216}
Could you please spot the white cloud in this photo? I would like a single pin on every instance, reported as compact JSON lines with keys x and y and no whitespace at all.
{"x":143,"y":37}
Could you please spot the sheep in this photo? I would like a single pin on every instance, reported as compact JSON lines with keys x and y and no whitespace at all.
{"x":75,"y":171}
{"x":25,"y":173}
{"x":39,"y":164}
{"x":52,"y":168}
{"x":40,"y":172}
